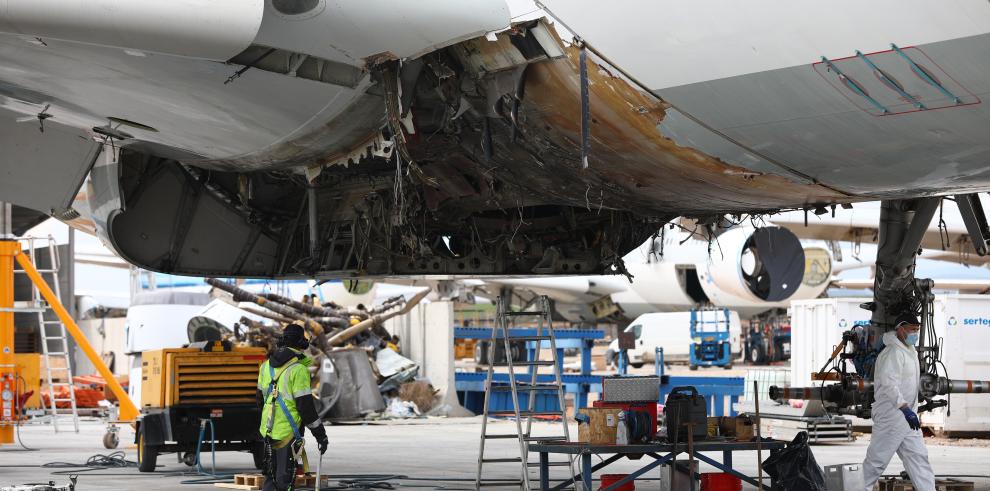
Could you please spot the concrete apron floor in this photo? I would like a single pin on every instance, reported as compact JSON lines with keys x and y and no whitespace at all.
{"x":438,"y":453}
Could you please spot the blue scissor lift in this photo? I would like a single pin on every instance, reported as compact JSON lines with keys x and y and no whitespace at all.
{"x":712,"y":343}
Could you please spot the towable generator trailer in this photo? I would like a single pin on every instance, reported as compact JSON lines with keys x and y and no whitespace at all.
{"x":199,"y":396}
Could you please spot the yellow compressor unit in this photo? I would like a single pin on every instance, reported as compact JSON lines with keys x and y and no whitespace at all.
{"x":185,"y":389}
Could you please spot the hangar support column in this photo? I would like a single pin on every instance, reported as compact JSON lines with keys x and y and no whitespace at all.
{"x":8,"y":375}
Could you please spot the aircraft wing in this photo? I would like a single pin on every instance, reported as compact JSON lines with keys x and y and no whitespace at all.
{"x":951,"y":242}
{"x":579,"y":289}
{"x":963,"y":285}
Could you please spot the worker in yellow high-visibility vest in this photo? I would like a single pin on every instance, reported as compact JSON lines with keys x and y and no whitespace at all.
{"x":287,"y":408}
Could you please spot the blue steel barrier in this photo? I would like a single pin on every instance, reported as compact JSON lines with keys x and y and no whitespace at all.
{"x":470,"y":388}
{"x":721,"y":393}
{"x":469,"y":384}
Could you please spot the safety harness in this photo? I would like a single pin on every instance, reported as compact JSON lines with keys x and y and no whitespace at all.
{"x":273,"y":389}
{"x":298,"y":447}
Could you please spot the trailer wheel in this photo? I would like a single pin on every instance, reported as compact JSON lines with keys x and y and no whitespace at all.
{"x":189,"y":458}
{"x":110,"y":440}
{"x":147,"y":454}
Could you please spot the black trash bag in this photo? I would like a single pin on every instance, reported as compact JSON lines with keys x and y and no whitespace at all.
{"x":795,"y":467}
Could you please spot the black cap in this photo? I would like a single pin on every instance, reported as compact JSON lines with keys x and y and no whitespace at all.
{"x":293,"y":336}
{"x":906,"y":318}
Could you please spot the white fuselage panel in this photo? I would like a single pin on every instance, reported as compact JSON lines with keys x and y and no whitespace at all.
{"x":668,"y":44}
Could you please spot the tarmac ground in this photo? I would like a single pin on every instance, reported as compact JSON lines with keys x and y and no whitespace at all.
{"x":435,"y":453}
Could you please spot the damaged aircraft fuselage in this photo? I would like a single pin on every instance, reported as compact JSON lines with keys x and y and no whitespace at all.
{"x":464,"y":155}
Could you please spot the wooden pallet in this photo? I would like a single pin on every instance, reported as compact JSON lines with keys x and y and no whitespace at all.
{"x":254,"y":482}
{"x":940,"y":485}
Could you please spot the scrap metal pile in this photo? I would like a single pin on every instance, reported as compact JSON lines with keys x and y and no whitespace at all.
{"x":357,"y":365}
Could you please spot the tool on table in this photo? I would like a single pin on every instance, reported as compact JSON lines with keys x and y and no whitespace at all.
{"x":759,"y":437}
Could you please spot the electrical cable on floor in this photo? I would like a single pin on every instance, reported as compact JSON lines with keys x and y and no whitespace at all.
{"x":96,"y":462}
{"x":18,"y":410}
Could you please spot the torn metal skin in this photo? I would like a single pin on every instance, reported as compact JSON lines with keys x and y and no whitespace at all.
{"x":489,"y":181}
{"x":632,"y":165}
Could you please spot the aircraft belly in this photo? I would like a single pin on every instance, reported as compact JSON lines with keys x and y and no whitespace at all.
{"x":253,"y":120}
{"x":42,"y":171}
{"x":352,"y":32}
{"x":806,"y":119}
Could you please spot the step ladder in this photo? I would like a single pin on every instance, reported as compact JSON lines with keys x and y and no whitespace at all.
{"x":54,"y":339}
{"x":524,"y":434}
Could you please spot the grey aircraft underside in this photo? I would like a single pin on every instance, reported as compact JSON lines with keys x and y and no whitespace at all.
{"x":322,"y":138}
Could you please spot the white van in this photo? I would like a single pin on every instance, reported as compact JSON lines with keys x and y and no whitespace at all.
{"x":672,"y":331}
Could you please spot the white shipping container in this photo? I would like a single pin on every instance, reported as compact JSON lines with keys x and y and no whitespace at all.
{"x":816,"y":329}
{"x":961,"y":321}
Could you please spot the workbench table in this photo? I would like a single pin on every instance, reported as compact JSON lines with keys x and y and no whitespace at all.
{"x":660,"y":452}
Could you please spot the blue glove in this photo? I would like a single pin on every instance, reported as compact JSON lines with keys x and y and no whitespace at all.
{"x":911,"y":418}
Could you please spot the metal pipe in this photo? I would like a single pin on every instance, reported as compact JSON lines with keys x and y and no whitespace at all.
{"x":342,"y":337}
{"x":314,"y":224}
{"x":267,"y":314}
{"x":966,"y":387}
{"x":759,"y":435}
{"x":853,"y":391}
{"x":241,"y":295}
{"x":308,"y":308}
{"x":800,"y":393}
{"x":841,"y":393}
{"x":690,"y":449}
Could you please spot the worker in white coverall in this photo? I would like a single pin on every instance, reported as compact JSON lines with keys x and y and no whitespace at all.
{"x":896,"y":427}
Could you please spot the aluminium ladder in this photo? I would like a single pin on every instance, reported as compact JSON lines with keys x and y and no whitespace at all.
{"x":54,"y":339}
{"x":544,"y":333}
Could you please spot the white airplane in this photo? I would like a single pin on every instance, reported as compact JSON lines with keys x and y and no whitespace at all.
{"x":328,"y":138}
{"x":693,"y":271}
{"x":686,"y":273}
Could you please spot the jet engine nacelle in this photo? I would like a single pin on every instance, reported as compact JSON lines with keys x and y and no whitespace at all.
{"x":761,"y":265}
